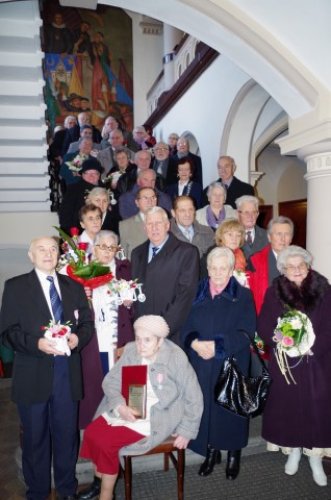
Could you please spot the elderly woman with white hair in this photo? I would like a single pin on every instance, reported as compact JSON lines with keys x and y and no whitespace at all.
{"x":100,"y":197}
{"x":215,"y":329}
{"x":297,"y":415}
{"x":216,"y":211}
{"x":173,"y":405}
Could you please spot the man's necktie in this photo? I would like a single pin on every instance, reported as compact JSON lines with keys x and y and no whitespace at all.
{"x":188,"y":235}
{"x":154,"y":251}
{"x":249,"y":239}
{"x":56,"y":302}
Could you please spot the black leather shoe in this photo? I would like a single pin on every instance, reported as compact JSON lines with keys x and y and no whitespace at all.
{"x":92,"y":491}
{"x":213,"y":457}
{"x":233,"y":464}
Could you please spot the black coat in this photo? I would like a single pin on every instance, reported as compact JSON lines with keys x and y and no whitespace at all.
{"x":169,"y":281}
{"x":73,"y":201}
{"x":236,"y":189}
{"x":24,"y":312}
{"x":220,"y":319}
{"x":299,"y":415}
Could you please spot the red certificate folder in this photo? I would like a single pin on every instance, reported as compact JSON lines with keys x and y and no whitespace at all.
{"x":133,"y":375}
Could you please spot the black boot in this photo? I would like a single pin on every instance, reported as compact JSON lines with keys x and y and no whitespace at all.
{"x":92,"y":491}
{"x":233,"y":464}
{"x":213,"y":456}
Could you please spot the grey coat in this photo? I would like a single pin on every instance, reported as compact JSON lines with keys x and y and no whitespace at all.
{"x":260,"y":241}
{"x":203,"y":237}
{"x":180,"y":404}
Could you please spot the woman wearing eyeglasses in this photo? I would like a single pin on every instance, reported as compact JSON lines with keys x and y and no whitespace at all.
{"x":113,"y":322}
{"x":297,"y":415}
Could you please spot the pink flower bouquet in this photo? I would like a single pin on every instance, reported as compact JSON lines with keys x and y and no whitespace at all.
{"x":60,"y":334}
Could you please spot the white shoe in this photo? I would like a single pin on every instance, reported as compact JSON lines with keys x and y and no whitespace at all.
{"x":292,"y":464}
{"x":319,"y":475}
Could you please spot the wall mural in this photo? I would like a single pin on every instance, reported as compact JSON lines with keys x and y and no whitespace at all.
{"x":88,"y":63}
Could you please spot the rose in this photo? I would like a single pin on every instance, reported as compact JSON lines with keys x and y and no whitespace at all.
{"x":83,"y":246}
{"x":287,"y":341}
{"x":296,"y":323}
{"x":74,"y":231}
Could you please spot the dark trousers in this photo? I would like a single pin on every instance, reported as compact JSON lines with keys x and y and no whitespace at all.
{"x":50,"y":429}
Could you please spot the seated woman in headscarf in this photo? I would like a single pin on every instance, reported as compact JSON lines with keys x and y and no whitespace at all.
{"x":173,"y":405}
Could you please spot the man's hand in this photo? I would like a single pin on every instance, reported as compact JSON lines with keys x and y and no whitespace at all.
{"x":47,"y":346}
{"x":73,"y":341}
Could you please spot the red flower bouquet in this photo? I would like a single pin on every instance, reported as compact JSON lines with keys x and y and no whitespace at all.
{"x":89,"y":274}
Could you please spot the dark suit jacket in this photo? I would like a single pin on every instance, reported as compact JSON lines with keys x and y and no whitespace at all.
{"x":169,"y":281}
{"x":260,"y":241}
{"x":195,"y":193}
{"x":73,"y":200}
{"x":236,"y":189}
{"x":24,"y":312}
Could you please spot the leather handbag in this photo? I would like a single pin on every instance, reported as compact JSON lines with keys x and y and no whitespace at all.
{"x":242,"y":395}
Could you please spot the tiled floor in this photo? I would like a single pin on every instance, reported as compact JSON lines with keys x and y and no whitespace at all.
{"x":261,"y":477}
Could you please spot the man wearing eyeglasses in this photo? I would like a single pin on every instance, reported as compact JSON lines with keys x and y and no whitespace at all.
{"x":131,"y":230}
{"x":256,"y":237}
{"x":163,"y":164}
{"x":145,"y":178}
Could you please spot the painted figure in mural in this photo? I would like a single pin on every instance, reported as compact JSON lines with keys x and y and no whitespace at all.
{"x":58,"y":39}
{"x":82,"y":40}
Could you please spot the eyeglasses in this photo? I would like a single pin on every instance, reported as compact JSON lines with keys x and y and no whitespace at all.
{"x":161,"y":149}
{"x":300,"y":267}
{"x":106,"y":248}
{"x":248,"y":214}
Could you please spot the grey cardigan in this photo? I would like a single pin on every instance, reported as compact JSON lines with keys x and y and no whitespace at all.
{"x":180,"y":404}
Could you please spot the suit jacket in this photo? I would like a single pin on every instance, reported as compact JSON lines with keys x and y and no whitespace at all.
{"x":169,"y":281}
{"x":236,"y":189}
{"x":195,"y":191}
{"x":132,"y":234}
{"x":169,"y":170}
{"x":128,"y":207}
{"x":203,"y":237}
{"x":73,"y":134}
{"x":24,"y":312}
{"x":260,"y":241}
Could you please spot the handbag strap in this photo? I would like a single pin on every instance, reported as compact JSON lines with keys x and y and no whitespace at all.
{"x":252,"y":343}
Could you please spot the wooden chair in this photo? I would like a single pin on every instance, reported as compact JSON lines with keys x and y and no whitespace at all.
{"x":168,"y":449}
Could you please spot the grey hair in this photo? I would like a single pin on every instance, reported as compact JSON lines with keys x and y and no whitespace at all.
{"x":292,"y":251}
{"x":68,"y":118}
{"x":106,"y":234}
{"x":216,"y":185}
{"x":281,"y":219}
{"x":221,"y":252}
{"x":247,"y":199}
{"x":157,"y":210}
{"x":142,"y":172}
{"x":138,"y":153}
{"x":96,"y":192}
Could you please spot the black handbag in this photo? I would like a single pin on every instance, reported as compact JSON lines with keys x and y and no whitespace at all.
{"x":244,"y":396}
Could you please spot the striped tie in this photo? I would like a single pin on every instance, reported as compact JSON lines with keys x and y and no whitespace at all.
{"x":56,"y":302}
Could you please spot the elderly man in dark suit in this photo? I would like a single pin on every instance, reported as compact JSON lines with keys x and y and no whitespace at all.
{"x":169,"y":271}
{"x":47,"y":383}
{"x":256,"y":237}
{"x":234,"y":187}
